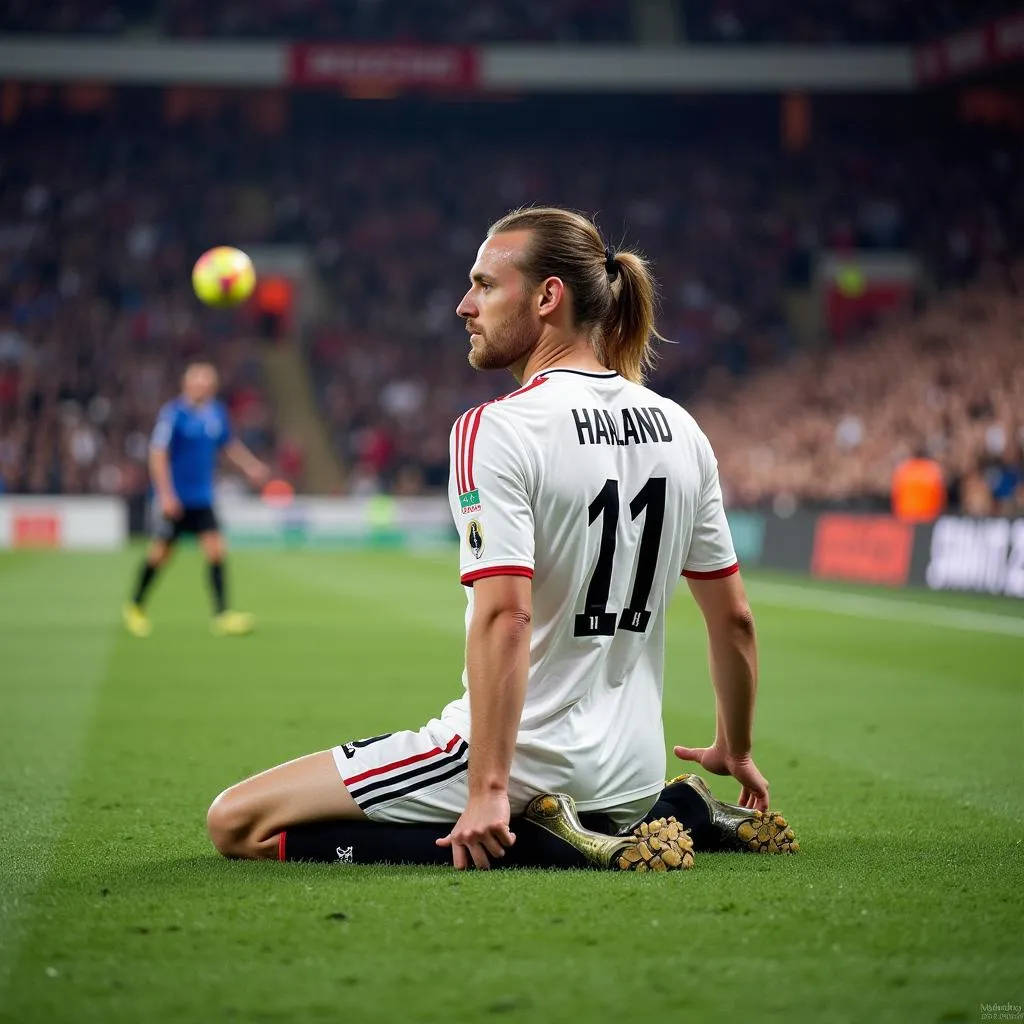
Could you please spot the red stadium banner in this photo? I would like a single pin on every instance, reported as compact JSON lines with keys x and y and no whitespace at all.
{"x":858,"y":288}
{"x":847,"y":314}
{"x":977,"y":49}
{"x":360,"y":66}
{"x":863,"y":549}
{"x":35,"y":530}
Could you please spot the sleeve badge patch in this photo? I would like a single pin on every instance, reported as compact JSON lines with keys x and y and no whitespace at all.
{"x":469,"y":502}
{"x":475,"y":538}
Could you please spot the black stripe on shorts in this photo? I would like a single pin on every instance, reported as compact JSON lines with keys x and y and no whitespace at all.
{"x":419,"y":784}
{"x":419,"y":771}
{"x":370,"y":740}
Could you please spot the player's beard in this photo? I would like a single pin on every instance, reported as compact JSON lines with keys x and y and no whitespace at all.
{"x":508,"y":343}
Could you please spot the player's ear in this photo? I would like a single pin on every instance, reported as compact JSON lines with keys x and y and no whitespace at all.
{"x":550,"y":295}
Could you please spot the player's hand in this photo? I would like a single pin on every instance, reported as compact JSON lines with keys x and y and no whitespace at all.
{"x":258,"y":475}
{"x":481,"y":833}
{"x":170,"y":506}
{"x":715,"y":759}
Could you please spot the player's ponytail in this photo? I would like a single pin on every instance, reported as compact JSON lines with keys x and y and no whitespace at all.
{"x":612,"y":292}
{"x":628,"y":330}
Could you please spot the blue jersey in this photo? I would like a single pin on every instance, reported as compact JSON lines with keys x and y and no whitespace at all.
{"x":192,"y":435}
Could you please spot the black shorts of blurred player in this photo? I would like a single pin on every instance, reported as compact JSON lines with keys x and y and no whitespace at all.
{"x":200,"y":522}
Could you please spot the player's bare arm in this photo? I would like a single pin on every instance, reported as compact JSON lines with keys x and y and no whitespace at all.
{"x":732,"y":657}
{"x":160,"y":472}
{"x":256,"y":471}
{"x":497,"y":663}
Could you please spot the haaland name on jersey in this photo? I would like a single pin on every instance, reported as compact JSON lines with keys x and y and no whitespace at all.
{"x":621,"y":427}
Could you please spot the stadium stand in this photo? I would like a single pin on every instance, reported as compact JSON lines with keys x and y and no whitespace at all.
{"x":948,"y":384}
{"x":822,"y":23}
{"x":427,"y":21}
{"x":98,"y":235}
{"x":96,"y":320}
{"x":817,"y":22}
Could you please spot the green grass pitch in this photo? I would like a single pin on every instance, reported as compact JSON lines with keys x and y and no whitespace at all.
{"x":890,"y":727}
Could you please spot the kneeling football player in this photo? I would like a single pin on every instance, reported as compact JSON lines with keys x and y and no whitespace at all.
{"x":580,"y":499}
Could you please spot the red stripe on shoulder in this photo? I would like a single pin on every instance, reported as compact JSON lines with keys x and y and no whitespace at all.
{"x":469,"y":578}
{"x":471,"y":446}
{"x":464,"y":471}
{"x":456,"y":430}
{"x":460,"y":438}
{"x":536,"y":383}
{"x":715,"y":574}
{"x":479,"y":413}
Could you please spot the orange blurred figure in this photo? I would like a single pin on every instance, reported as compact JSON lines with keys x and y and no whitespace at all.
{"x":278,"y":492}
{"x":918,"y":491}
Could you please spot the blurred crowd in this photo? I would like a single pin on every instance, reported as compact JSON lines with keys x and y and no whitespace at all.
{"x":727,"y":234}
{"x":947,"y":385}
{"x":824,"y":22}
{"x":451,"y":21}
{"x":391,"y":361}
{"x":425,"y":21}
{"x":99,"y":227}
{"x":96,"y":322}
{"x":80,"y":385}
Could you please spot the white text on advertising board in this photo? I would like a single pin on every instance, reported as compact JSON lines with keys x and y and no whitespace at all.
{"x":985,"y":555}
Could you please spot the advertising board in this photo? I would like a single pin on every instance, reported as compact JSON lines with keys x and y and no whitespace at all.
{"x":96,"y":523}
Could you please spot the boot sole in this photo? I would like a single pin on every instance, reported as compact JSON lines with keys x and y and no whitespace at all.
{"x":741,"y":829}
{"x":662,"y":845}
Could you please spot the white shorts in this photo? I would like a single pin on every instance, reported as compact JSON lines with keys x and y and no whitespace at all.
{"x":420,"y":777}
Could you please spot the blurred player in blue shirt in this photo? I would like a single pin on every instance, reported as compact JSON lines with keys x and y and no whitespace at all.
{"x":190,"y":433}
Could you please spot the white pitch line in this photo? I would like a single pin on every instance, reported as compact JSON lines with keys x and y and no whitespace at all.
{"x":867,"y":607}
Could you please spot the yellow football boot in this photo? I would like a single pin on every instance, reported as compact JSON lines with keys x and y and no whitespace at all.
{"x":136,"y":621}
{"x":232,"y":624}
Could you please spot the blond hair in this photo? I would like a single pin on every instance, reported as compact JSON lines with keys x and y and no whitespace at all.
{"x":612,"y":292}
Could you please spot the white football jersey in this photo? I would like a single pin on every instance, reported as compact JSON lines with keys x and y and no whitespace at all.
{"x":603,"y":493}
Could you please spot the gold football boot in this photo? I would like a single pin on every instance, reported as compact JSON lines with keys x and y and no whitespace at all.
{"x":662,"y":845}
{"x":740,"y":828}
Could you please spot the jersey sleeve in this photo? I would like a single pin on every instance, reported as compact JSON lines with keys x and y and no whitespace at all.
{"x":711,"y":555}
{"x":489,"y":489}
{"x":163,"y":431}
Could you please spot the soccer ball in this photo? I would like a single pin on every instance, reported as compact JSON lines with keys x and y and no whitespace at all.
{"x":223,"y":277}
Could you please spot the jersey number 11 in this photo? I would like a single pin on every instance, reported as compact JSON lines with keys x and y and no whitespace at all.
{"x":596,"y":620}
